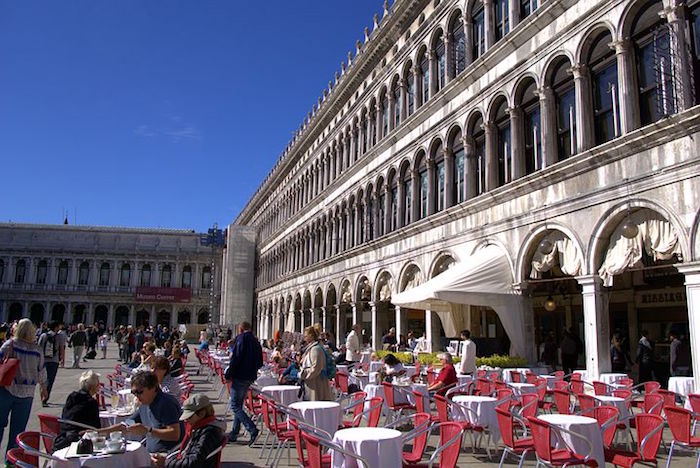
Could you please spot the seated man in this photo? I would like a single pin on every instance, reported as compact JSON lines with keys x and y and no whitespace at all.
{"x":447,"y":378}
{"x":158,"y":417}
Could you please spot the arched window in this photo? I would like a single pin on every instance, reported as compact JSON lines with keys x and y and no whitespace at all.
{"x":459,"y":168}
{"x":423,"y":188}
{"x":501,"y":17}
{"x":206,"y":277}
{"x":350,"y":238}
{"x":41,"y":269}
{"x":166,"y":276}
{"x":62,"y":273}
{"x":459,"y":45}
{"x":187,"y":277}
{"x":366,"y":133}
{"x":83,"y":273}
{"x":381,"y":202}
{"x":503,"y":145}
{"x":532,"y":129}
{"x":440,"y":179}
{"x":410,"y":89}
{"x":439,"y":50}
{"x":361,"y":220}
{"x":396,"y":94}
{"x":370,"y":214}
{"x":479,"y":141}
{"x":373,"y":123}
{"x":425,"y":77}
{"x":478,"y":30}
{"x":562,"y":83}
{"x":406,"y":181}
{"x":603,"y":66}
{"x":356,"y":146}
{"x":652,"y":47}
{"x":394,"y":203}
{"x":104,"y":274}
{"x":146,"y":275}
{"x":385,"y":113}
{"x":125,"y":276}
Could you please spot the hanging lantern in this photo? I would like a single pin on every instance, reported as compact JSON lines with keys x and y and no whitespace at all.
{"x":629,"y":229}
{"x":549,"y":304}
{"x":546,"y":247}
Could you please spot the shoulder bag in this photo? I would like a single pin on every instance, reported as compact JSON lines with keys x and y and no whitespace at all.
{"x":8,"y":368}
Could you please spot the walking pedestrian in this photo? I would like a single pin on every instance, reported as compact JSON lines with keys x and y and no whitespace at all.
{"x":246,"y":359}
{"x":103,"y":346}
{"x":16,"y":399}
{"x":50,"y":345}
{"x":77,"y":342}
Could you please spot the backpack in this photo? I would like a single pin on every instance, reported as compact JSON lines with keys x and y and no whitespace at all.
{"x":50,"y":348}
{"x":329,"y":371}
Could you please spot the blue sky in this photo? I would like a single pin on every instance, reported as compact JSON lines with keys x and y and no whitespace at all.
{"x":157,"y":113}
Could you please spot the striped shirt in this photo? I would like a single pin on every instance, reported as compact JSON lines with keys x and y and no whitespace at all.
{"x":31,"y":367}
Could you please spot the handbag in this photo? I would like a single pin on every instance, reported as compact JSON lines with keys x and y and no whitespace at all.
{"x":8,"y":370}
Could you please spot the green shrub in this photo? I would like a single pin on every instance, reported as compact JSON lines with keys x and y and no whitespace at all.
{"x":428,"y":359}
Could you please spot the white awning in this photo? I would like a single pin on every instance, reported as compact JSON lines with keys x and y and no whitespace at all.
{"x":482,"y":279}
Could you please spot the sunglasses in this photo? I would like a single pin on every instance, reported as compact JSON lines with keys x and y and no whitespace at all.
{"x":137,"y":392}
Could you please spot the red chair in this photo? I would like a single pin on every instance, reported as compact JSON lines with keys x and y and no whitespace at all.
{"x":626,"y":382}
{"x":624,"y":393}
{"x":28,"y":442}
{"x":562,"y":401}
{"x":20,"y":459}
{"x":559,"y":375}
{"x":420,"y":406}
{"x":513,"y":445}
{"x":600,"y":388}
{"x":389,"y":396}
{"x":649,"y":431}
{"x":669,"y":397}
{"x":528,"y":405}
{"x":680,"y":422}
{"x":282,"y":436}
{"x":541,"y":392}
{"x":607,"y":417}
{"x":420,"y":441}
{"x":530,"y":377}
{"x":373,"y":413}
{"x":586,"y":403}
{"x":50,"y":428}
{"x":447,"y":451}
{"x":443,"y":410}
{"x":315,"y":453}
{"x":356,"y":406}
{"x":649,"y":388}
{"x":341,"y":382}
{"x":299,"y":442}
{"x":483,"y":387}
{"x":505,"y":396}
{"x":561,"y":385}
{"x":576,"y":386}
{"x":546,"y":454}
{"x":431,"y":375}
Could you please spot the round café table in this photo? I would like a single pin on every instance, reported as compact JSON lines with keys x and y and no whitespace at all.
{"x":325,"y":415}
{"x":135,"y":455}
{"x":682,"y":386}
{"x":522,"y":388}
{"x":114,"y":416}
{"x":381,"y":447}
{"x":612,"y":378}
{"x":483,"y":413}
{"x":284,"y":394}
{"x":586,"y":427}
{"x":265,"y":380}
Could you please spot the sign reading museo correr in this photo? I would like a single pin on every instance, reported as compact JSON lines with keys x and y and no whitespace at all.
{"x":163,"y":294}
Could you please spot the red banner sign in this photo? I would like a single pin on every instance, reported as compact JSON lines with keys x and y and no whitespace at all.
{"x":163,"y":294}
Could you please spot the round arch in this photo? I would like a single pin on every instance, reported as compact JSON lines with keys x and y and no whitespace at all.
{"x":440,"y":263}
{"x":532,"y":240}
{"x":410,"y":276}
{"x":587,"y":38}
{"x":383,"y":286}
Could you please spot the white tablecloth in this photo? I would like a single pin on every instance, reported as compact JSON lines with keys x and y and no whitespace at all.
{"x":361,"y":380}
{"x":522,"y":370}
{"x":483,"y":413}
{"x":285,"y":394}
{"x":611,"y":378}
{"x":136,"y":455}
{"x":402,"y":394}
{"x":375,"y":366}
{"x":586,"y":427}
{"x":381,"y":447}
{"x":265,"y":381}
{"x":522,"y":388}
{"x":550,"y":380}
{"x":463,"y":379}
{"x":326,"y":415}
{"x":112,"y":417}
{"x":682,"y":386}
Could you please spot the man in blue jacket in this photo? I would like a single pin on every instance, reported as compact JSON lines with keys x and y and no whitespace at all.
{"x":246,"y":359}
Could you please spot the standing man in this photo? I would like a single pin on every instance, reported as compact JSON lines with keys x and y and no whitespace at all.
{"x":77,"y":341}
{"x":352,"y":345}
{"x":468,"y":363}
{"x":645,"y":358}
{"x":51,"y":346}
{"x":246,"y":359}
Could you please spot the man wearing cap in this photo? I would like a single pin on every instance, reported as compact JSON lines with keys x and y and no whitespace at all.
{"x":206,"y":436}
{"x":158,"y":417}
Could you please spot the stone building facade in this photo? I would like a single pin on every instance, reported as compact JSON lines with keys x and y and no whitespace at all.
{"x":116,"y":276}
{"x":563,"y":132}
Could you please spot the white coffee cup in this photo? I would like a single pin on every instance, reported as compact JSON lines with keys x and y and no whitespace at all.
{"x":116,"y":435}
{"x":114,"y":445}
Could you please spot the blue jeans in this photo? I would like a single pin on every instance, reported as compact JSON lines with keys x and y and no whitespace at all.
{"x":51,"y":370}
{"x":239,"y":389}
{"x":20,"y":408}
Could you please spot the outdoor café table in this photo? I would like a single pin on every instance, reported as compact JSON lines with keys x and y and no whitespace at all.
{"x":583,"y":373}
{"x":587,"y":427}
{"x":284,"y":394}
{"x":682,"y":386}
{"x":381,"y":447}
{"x":523,"y":372}
{"x":111,"y":417}
{"x":612,"y":378}
{"x":617,"y":402}
{"x":402,"y":393}
{"x":135,"y":455}
{"x":463,"y":379}
{"x":325,"y":415}
{"x":265,"y":380}
{"x":522,"y":388}
{"x":361,"y":380}
{"x":375,"y":366}
{"x":483,"y":413}
{"x":550,"y":380}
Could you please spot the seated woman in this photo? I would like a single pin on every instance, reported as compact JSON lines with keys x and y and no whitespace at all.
{"x":392,"y":366}
{"x":175,"y":363}
{"x":206,"y":436}
{"x":148,"y":355}
{"x":290,"y":376}
{"x":161,"y":367}
{"x":81,"y":407}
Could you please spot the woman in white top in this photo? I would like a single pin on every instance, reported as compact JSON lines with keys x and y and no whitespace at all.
{"x":392,"y":366}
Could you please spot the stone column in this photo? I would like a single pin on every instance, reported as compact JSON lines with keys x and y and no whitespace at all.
{"x":338,"y":338}
{"x":356,"y":223}
{"x":513,"y":14}
{"x":431,"y":186}
{"x":404,"y":99}
{"x":491,"y":135}
{"x":433,"y":67}
{"x":627,"y":94}
{"x":377,"y":220}
{"x":692,"y":289}
{"x":173,"y":317}
{"x":387,"y":208}
{"x":450,"y":195}
{"x":375,"y":329}
{"x":450,"y":62}
{"x":324,"y":319}
{"x":417,"y":86}
{"x":676,"y":16}
{"x":596,"y":326}
{"x":470,"y":164}
{"x":429,"y":329}
{"x":584,"y":111}
{"x":392,"y":111}
{"x":401,"y":204}
{"x":548,"y":127}
{"x":354,"y":313}
{"x":489,"y":24}
{"x":90,"y":318}
{"x":468,"y":39}
{"x":415,"y":195}
{"x":399,"y":326}
{"x":110,"y":315}
{"x":517,"y":144}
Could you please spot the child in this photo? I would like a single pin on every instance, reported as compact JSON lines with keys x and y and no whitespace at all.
{"x":103,"y":346}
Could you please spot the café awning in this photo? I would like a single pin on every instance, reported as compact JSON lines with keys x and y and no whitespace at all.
{"x":485,"y":279}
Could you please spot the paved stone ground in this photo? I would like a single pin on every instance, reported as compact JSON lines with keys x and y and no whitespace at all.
{"x":240,"y":455}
